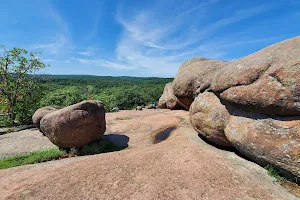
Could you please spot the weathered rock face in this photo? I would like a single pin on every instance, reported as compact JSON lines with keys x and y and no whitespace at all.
{"x":267,"y":81}
{"x":76,"y":125}
{"x":41,"y":112}
{"x":209,"y":118}
{"x":264,"y":86}
{"x":266,"y":140}
{"x":194,"y":77}
{"x":168,"y":99}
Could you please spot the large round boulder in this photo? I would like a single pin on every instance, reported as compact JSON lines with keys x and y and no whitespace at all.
{"x":266,"y":140}
{"x":209,"y":117}
{"x":194,"y":77}
{"x":41,"y":112}
{"x":267,"y":81}
{"x":76,"y":125}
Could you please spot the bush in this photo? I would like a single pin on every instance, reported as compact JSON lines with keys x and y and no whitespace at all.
{"x":28,"y":104}
{"x":5,"y":121}
{"x":272,"y":172}
{"x":130,"y":98}
{"x":63,"y":97}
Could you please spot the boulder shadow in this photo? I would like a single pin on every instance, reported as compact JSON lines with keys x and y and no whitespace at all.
{"x":163,"y":135}
{"x":231,"y":149}
{"x":118,"y":140}
{"x":108,"y":143}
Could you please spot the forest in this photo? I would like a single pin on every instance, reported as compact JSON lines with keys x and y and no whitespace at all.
{"x":64,"y":90}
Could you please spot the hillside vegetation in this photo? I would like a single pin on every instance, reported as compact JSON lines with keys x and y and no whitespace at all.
{"x":64,"y":90}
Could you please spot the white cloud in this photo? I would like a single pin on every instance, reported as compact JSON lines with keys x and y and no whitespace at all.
{"x":58,"y":45}
{"x":86,"y":53}
{"x":103,"y":63}
{"x":158,"y":39}
{"x":48,"y":60}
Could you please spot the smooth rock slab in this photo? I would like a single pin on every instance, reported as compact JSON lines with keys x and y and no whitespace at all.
{"x":181,"y":167}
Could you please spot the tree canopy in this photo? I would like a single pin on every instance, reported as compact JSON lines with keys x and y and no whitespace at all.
{"x":16,"y":68}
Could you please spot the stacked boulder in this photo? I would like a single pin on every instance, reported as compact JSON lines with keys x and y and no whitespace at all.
{"x":252,"y":103}
{"x":168,"y":99}
{"x":41,"y":112}
{"x":72,"y":126}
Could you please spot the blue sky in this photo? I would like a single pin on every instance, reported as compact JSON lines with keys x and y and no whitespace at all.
{"x":143,"y":38}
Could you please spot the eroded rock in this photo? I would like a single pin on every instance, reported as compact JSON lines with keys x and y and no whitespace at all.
{"x":209,"y":117}
{"x":267,"y":81}
{"x":194,"y":77}
{"x":168,"y":99}
{"x":266,"y":140}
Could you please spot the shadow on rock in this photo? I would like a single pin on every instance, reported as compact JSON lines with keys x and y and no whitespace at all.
{"x":117,"y":139}
{"x":231,"y":149}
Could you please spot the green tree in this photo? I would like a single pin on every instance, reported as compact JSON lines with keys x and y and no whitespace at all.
{"x":16,"y":75}
{"x":130,"y":98}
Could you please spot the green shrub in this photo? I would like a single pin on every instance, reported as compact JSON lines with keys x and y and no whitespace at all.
{"x":5,"y":121}
{"x":130,"y":98}
{"x":273,"y":172}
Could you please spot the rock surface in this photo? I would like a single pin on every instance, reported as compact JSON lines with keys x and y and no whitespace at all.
{"x":139,"y":108}
{"x":193,"y":77}
{"x":209,"y":118}
{"x":267,"y":140}
{"x":168,"y":99}
{"x":23,"y":142}
{"x":76,"y":125}
{"x":181,"y":167}
{"x":41,"y":112}
{"x":267,"y":81}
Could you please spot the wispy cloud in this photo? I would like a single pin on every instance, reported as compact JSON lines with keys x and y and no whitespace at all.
{"x":103,"y":63}
{"x":47,"y":60}
{"x":86,"y":53}
{"x":59,"y":39}
{"x":159,"y":39}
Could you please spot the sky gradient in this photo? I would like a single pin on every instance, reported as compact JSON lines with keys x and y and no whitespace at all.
{"x":143,"y":38}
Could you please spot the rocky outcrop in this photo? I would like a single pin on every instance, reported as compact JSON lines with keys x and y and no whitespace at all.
{"x":168,"y":99}
{"x":180,"y":167}
{"x":41,"y":112}
{"x":252,"y":103}
{"x":267,"y":81}
{"x":139,"y":108}
{"x":194,"y":77}
{"x":209,"y":118}
{"x":76,"y":125}
{"x":267,"y":140}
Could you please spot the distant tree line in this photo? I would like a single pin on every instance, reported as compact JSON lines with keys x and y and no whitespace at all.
{"x":22,"y":92}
